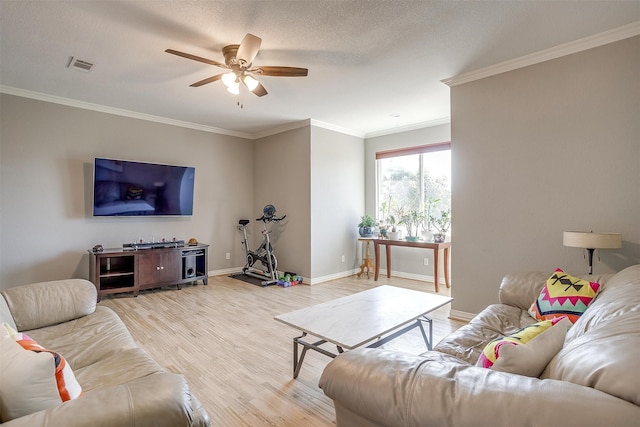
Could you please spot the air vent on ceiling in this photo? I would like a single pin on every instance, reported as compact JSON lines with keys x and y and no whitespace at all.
{"x":80,"y":64}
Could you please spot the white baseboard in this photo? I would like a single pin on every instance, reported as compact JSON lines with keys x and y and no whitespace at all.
{"x":224,"y":272}
{"x":461,"y":315}
{"x":404,"y":275}
{"x":342,"y":274}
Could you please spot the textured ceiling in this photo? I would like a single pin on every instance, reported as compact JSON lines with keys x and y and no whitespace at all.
{"x":368,"y":60}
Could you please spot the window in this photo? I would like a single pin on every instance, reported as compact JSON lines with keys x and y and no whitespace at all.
{"x":414,"y":182}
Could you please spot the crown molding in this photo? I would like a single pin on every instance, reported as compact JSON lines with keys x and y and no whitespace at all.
{"x":339,"y":129}
{"x":596,"y":40}
{"x":117,"y":111}
{"x":407,"y":128}
{"x":281,"y":128}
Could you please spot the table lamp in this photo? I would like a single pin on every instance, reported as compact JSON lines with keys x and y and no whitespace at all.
{"x":592,"y":241}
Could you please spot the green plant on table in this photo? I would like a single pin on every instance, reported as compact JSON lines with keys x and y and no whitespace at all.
{"x":442,"y":222}
{"x":367,"y":221}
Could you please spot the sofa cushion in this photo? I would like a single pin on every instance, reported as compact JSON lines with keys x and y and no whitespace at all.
{"x":117,"y":368}
{"x":528,"y":351}
{"x":493,"y":322}
{"x":601,"y":348}
{"x":563,"y":295}
{"x":32,"y":377}
{"x":86,"y":340}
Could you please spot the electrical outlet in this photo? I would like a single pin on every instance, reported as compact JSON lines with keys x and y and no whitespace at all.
{"x":426,"y":261}
{"x":342,"y":258}
{"x":227,"y":255}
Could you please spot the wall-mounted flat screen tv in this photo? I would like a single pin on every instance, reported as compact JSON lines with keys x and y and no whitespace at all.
{"x":125,"y":188}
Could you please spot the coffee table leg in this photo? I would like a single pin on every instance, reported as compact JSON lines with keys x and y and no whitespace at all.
{"x":297,"y":362}
{"x":427,"y":340}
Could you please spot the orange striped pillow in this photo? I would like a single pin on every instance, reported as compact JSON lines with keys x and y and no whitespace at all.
{"x":68,"y":386}
{"x":35,"y":380}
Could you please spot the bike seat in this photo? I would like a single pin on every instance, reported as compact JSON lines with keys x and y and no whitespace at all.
{"x":244,"y":222}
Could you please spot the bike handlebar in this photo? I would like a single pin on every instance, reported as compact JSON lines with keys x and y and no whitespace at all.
{"x":270,"y":218}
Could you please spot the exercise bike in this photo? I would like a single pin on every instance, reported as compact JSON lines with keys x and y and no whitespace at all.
{"x":264,"y":253}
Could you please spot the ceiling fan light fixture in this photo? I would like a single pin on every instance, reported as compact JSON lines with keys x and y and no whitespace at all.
{"x":229,"y":79}
{"x":238,"y":63}
{"x":234,"y":88}
{"x":250,"y":82}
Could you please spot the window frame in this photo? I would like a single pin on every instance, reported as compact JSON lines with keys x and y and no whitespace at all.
{"x":405,"y":151}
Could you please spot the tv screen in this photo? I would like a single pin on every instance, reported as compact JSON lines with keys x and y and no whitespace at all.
{"x":124,"y":188}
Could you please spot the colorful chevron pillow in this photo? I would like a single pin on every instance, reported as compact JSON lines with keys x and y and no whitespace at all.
{"x":564,"y":295}
{"x":32,"y":377}
{"x":528,"y":350}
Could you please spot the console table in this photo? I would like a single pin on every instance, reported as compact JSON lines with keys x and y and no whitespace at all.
{"x":427,"y":245}
{"x":367,"y":263}
{"x":130,"y":270}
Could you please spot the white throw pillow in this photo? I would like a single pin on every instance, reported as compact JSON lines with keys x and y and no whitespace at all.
{"x":531,"y":358}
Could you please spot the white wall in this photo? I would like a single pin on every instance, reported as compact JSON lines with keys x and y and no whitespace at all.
{"x":405,"y":262}
{"x":46,"y":159}
{"x":540,"y":150}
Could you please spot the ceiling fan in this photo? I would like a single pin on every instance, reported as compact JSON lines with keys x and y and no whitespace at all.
{"x":239,"y":60}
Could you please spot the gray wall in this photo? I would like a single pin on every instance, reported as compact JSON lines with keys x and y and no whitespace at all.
{"x":46,"y":159}
{"x":405,"y":262}
{"x":540,"y":150}
{"x":281,"y":178}
{"x":315,"y":177}
{"x":337,"y":202}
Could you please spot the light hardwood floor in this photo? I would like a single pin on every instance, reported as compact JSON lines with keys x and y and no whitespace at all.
{"x":237,"y":359}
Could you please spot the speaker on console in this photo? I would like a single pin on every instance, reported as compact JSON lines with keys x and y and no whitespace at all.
{"x":189,"y":267}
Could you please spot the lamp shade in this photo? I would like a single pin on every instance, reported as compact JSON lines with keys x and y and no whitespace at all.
{"x":591,"y":240}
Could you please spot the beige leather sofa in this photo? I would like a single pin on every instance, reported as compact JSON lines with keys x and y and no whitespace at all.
{"x":593,"y":381}
{"x":122,"y":385}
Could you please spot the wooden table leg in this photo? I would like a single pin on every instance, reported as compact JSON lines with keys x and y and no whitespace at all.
{"x":446,"y":267}
{"x":366,"y":261}
{"x":388,"y":249}
{"x":436,"y":264}
{"x":376,"y":250}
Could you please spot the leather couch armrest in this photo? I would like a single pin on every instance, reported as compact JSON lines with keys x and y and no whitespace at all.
{"x":434,"y":389}
{"x":158,"y":400}
{"x":521,"y":289}
{"x":48,"y":303}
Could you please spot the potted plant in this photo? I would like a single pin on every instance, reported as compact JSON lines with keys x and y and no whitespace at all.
{"x":394,"y":220}
{"x":441,"y":223}
{"x":367,"y":226}
{"x":412,"y":221}
{"x":392,"y":229}
{"x":427,"y":228}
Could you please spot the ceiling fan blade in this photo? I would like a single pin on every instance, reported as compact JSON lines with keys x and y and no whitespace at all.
{"x":207,"y":80}
{"x":196,"y":58}
{"x":249,"y":47}
{"x":281,"y":71}
{"x":260,"y":90}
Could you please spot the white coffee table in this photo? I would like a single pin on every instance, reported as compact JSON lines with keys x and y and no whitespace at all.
{"x":379,"y":314}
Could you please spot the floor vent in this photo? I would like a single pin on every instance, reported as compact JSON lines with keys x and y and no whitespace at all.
{"x":80,"y":64}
